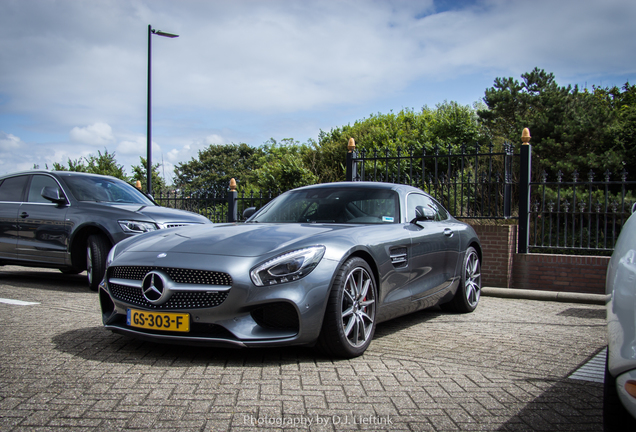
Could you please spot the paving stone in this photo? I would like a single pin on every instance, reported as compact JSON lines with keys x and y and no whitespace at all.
{"x":503,"y":367}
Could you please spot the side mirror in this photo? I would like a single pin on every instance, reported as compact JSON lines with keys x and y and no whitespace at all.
{"x":248,"y":212}
{"x":634,"y":208}
{"x":53,"y":194}
{"x":423,"y":214}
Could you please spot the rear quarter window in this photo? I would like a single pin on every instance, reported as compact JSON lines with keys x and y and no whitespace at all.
{"x":12,"y":188}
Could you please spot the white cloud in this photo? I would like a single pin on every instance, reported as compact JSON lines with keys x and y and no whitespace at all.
{"x":11,"y":148}
{"x":191,"y":149}
{"x":134,"y":146}
{"x":97,"y":134}
{"x":244,"y":71}
{"x":8,"y":142}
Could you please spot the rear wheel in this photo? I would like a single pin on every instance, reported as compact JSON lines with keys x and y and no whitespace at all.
{"x":469,"y":292}
{"x":97,"y":248}
{"x":349,"y":322}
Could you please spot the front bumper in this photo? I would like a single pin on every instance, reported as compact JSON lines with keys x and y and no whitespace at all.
{"x":244,"y":316}
{"x":628,"y":401}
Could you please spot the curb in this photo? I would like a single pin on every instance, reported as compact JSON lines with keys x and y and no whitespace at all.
{"x":526,"y":294}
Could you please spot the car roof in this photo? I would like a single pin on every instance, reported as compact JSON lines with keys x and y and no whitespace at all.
{"x":364,"y":185}
{"x":56,"y":173}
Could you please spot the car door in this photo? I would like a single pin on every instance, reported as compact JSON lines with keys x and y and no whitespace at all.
{"x":434,"y":248}
{"x":11,"y":193}
{"x":43,"y":230}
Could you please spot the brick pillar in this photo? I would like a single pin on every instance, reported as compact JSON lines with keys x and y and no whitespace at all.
{"x":499,"y":244}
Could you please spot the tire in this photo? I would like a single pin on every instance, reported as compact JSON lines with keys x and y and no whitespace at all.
{"x":468,"y":293}
{"x":97,"y":248}
{"x":349,"y":322}
{"x":615,"y":416}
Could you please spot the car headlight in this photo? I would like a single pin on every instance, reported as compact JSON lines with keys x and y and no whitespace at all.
{"x":288,"y":267}
{"x":136,"y":227}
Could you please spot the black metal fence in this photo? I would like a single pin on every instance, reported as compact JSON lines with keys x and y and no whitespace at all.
{"x":219,"y":209}
{"x":566,"y":217}
{"x":470,"y":181}
{"x":209,"y":205}
{"x":579,"y":216}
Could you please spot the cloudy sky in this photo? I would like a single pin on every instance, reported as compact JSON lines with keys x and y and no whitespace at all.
{"x":73,"y":73}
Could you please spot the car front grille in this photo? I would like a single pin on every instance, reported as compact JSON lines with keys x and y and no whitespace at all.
{"x":179,"y":300}
{"x":176,"y":224}
{"x":178,"y":275}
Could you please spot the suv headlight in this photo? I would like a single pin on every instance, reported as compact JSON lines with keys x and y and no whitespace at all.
{"x":288,"y":267}
{"x":136,"y":227}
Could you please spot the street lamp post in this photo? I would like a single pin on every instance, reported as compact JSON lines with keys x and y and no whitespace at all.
{"x":151,"y":31}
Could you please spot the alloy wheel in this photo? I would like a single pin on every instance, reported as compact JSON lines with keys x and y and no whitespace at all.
{"x":472,"y":279}
{"x":358,"y":307}
{"x":89,"y":264}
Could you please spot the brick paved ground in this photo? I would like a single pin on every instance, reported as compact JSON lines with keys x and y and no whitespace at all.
{"x":504,"y":367}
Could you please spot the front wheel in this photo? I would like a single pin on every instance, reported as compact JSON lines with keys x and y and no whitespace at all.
{"x":97,"y":248}
{"x":349,"y":322}
{"x":469,"y":292}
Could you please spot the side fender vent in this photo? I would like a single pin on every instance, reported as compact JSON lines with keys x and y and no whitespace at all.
{"x":399,"y":257}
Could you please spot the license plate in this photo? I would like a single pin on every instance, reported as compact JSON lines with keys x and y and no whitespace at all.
{"x":165,"y":321}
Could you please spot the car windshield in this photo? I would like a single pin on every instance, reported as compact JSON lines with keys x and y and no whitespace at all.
{"x":331,"y":205}
{"x":100,"y":189}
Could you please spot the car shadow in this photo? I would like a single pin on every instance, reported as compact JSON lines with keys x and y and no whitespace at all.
{"x":99,"y":344}
{"x":572,"y":404}
{"x":398,"y":324}
{"x":46,"y":279}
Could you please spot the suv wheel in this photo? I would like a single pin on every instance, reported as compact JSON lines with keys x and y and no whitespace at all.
{"x":97,"y":248}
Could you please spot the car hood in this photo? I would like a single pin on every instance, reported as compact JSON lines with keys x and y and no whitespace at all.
{"x":158,"y":213}
{"x":249,"y":240}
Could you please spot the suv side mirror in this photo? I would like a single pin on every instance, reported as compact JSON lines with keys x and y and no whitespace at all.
{"x":53,"y":194}
{"x":248,"y":212}
{"x":423,"y":214}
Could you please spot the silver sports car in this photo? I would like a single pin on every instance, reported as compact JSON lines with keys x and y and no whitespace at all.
{"x":320,"y":265}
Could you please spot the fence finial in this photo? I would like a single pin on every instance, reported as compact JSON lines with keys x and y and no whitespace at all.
{"x":232,"y":185}
{"x":138,"y":184}
{"x":352,"y":145}
{"x":525,"y":136}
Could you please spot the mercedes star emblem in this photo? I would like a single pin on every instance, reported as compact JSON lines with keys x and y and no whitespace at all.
{"x":155,"y":287}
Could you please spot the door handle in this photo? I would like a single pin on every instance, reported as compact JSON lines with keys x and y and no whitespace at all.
{"x":24,"y":215}
{"x":448,"y":232}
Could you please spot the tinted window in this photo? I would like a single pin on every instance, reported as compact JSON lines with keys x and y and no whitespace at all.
{"x":11,"y":189}
{"x":331,"y":205}
{"x":38,"y":183}
{"x":102,"y":189}
{"x":415,"y":200}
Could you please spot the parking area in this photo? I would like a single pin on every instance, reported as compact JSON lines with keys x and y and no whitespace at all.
{"x":507,"y":366}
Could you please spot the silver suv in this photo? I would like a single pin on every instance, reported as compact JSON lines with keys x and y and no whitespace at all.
{"x":70,"y":220}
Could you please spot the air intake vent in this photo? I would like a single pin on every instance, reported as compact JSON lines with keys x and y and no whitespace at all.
{"x":399,"y":257}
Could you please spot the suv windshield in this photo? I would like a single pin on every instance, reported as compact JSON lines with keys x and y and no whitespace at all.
{"x":100,"y":189}
{"x":330,"y":205}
